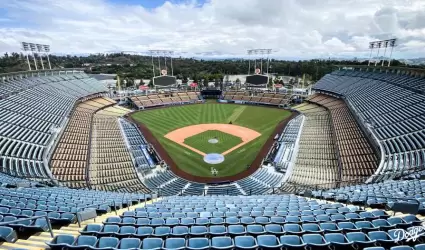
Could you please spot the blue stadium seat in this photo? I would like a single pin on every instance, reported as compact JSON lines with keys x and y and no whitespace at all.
{"x":245,"y":242}
{"x":198,"y":244}
{"x":152,"y":243}
{"x":292,"y":242}
{"x":337,"y":241}
{"x":268,"y":242}
{"x":175,"y":243}
{"x":60,"y":242}
{"x":315,"y":241}
{"x":130,"y":243}
{"x":106,"y":243}
{"x":222,"y":243}
{"x":360,"y":239}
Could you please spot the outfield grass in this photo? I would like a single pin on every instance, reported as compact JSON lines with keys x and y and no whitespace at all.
{"x":163,"y":121}
{"x":225,"y":141}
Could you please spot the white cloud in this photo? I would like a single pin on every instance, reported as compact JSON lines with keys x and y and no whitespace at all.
{"x":294,"y":28}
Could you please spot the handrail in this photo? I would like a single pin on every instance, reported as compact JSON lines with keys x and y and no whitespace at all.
{"x":31,"y":218}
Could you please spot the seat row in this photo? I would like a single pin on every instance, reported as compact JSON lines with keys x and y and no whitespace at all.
{"x":353,"y":240}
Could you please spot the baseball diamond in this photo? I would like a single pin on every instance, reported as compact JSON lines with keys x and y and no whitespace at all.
{"x":184,"y":131}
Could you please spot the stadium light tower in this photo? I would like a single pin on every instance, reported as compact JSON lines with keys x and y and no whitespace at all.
{"x":26,"y":49}
{"x":159,"y":54}
{"x":261,"y":53}
{"x":33,"y":49}
{"x":385,"y":44}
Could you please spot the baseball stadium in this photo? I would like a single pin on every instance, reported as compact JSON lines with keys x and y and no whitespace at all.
{"x":86,"y":164}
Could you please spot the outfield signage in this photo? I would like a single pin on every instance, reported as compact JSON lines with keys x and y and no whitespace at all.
{"x":147,"y":155}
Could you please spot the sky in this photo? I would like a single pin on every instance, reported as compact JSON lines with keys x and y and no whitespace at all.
{"x":297,"y":29}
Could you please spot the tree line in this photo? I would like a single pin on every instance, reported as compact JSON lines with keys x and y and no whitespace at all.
{"x":133,"y":67}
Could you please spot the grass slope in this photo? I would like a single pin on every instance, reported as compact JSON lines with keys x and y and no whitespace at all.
{"x":225,"y":141}
{"x":260,"y":119}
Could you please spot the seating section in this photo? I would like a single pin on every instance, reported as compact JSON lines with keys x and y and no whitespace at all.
{"x":172,"y":98}
{"x":387,"y":192}
{"x":59,"y":204}
{"x":356,"y":155}
{"x":70,"y":160}
{"x":391,"y":105}
{"x":32,"y":110}
{"x":258,"y":98}
{"x":165,"y":182}
{"x":92,"y":151}
{"x":241,"y":222}
{"x":264,"y":180}
{"x":317,"y":161}
{"x":111,"y":166}
{"x":282,"y":152}
{"x":138,"y":145}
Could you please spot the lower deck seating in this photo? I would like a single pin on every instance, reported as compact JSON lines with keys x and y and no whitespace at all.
{"x":245,"y":222}
{"x":111,"y":167}
{"x":317,"y":161}
{"x":70,"y":160}
{"x":356,"y":155}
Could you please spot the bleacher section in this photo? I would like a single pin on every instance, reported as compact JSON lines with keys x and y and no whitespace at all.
{"x":391,"y":105}
{"x":260,"y":98}
{"x":317,"y":161}
{"x":173,"y":98}
{"x":95,"y":155}
{"x":111,"y":167}
{"x":70,"y":160}
{"x":246,"y":222}
{"x":32,"y":110}
{"x":356,"y":155}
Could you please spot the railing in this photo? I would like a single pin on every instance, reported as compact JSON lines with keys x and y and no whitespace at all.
{"x":31,"y":218}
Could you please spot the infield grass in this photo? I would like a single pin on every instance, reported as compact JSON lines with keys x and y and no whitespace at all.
{"x":162,"y":121}
{"x":225,"y":141}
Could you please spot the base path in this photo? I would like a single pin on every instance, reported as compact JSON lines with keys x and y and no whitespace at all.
{"x":179,"y":135}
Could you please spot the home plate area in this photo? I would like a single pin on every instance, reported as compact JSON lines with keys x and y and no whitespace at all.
{"x":213,"y":158}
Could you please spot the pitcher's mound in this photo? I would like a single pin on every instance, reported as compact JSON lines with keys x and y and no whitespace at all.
{"x":213,"y":141}
{"x":214,"y":158}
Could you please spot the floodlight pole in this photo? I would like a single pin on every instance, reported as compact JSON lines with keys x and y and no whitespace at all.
{"x":41,"y":60}
{"x":35,"y":61}
{"x":377,"y":54}
{"x":371,"y":50}
{"x":385,"y":51}
{"x":159,"y":64}
{"x":48,"y":60}
{"x":28,"y":61}
{"x":153,"y":66}
{"x":391,"y":53}
{"x":172,"y":70}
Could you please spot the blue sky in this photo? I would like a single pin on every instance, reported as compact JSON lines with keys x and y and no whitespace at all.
{"x":300,"y":29}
